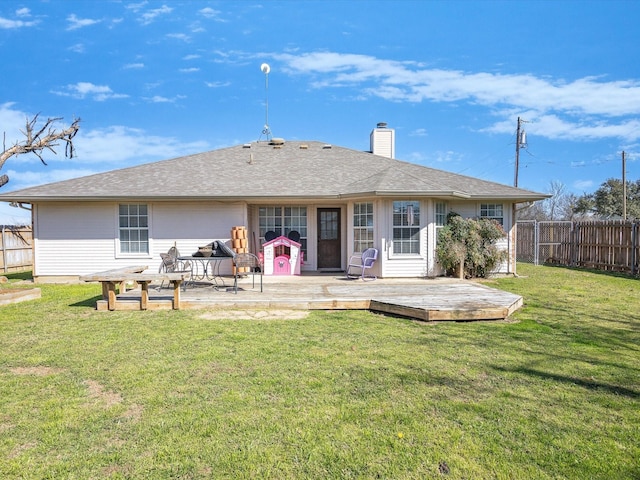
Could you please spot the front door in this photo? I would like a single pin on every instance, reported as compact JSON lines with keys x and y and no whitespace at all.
{"x":329,"y":254}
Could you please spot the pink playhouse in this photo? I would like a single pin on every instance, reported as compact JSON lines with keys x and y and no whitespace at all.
{"x":282,"y":256}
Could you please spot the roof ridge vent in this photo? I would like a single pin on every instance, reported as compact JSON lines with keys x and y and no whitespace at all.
{"x":276,"y":141}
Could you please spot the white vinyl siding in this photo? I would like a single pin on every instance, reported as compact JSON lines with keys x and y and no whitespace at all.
{"x":80,"y":238}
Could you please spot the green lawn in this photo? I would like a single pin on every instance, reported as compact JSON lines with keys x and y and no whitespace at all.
{"x":552,"y":393}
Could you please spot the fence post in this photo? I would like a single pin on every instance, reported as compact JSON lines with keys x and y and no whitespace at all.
{"x":574,"y":244}
{"x":634,"y":247}
{"x":536,"y":242}
{"x":4,"y":251}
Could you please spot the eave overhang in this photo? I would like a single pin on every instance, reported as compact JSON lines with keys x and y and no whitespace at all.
{"x":248,"y":197}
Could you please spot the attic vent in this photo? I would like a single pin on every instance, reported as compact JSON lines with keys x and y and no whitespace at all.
{"x":246,"y":145}
{"x":277,"y":147}
{"x":327,"y":146}
{"x":304,"y":146}
{"x":277,"y":141}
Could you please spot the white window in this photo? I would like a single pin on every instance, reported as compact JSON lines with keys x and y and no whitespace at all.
{"x":283,"y":220}
{"x":133,"y":223}
{"x":362,"y":226}
{"x":441,"y":216}
{"x":406,"y":227}
{"x":493,"y":211}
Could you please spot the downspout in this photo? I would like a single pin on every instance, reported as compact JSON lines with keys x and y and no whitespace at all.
{"x":20,"y":205}
{"x":514,"y":240}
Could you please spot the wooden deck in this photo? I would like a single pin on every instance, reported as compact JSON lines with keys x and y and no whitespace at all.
{"x":424,"y":299}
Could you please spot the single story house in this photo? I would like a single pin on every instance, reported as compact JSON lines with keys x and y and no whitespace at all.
{"x":339,"y":200}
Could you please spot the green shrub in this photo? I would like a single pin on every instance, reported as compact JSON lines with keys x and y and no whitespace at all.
{"x":467,"y":247}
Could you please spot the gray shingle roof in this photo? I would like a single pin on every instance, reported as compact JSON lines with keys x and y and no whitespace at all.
{"x":259,"y":170}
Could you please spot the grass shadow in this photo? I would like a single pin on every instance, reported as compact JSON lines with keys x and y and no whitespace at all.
{"x":25,"y":275}
{"x":608,"y":273}
{"x":588,"y":384}
{"x":89,"y":302}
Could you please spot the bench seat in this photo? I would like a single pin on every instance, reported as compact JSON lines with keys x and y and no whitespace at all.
{"x":120,"y":277}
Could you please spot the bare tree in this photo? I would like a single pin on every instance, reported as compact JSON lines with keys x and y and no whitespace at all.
{"x":559,"y":206}
{"x":555,"y":205}
{"x":37,"y":141}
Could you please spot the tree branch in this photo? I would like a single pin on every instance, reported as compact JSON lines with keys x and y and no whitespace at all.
{"x":45,"y":138}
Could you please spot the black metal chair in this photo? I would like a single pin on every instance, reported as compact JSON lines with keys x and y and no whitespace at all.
{"x":171,"y":264}
{"x":246,"y":261}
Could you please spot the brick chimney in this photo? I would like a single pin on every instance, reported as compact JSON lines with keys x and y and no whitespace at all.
{"x":383,"y":141}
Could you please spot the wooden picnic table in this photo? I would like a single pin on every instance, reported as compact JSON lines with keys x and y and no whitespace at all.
{"x":120,"y":277}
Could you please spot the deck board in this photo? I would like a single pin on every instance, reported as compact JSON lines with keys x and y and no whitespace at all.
{"x":422,"y":299}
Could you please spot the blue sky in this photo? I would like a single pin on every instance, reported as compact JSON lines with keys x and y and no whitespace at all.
{"x":153,"y":80}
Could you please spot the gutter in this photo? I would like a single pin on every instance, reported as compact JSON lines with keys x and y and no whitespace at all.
{"x":18,"y":201}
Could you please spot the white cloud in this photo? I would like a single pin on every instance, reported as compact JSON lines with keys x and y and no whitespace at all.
{"x":217,"y":84}
{"x":189,"y":70}
{"x":209,"y":12}
{"x":149,"y":16}
{"x":12,"y":122}
{"x":136,"y":7}
{"x":447,"y":156}
{"x":46,"y":174}
{"x":110,"y":145}
{"x":13,"y":216}
{"x":191,"y":57}
{"x":99,"y":93}
{"x":554,"y":127}
{"x":179,"y":36}
{"x":583,"y":184}
{"x":77,"y":48}
{"x":8,"y":24}
{"x":585,"y":108}
{"x":120,"y":144}
{"x":23,"y":12}
{"x":75,"y":22}
{"x":159,"y":99}
{"x":133,"y":66}
{"x":409,"y":81}
{"x":419,"y":132}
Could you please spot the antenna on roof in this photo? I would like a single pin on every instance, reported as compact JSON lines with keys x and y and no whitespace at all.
{"x":266,"y":131}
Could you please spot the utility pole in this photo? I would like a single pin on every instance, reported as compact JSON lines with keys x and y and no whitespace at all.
{"x":624,"y":186}
{"x":521,"y":142}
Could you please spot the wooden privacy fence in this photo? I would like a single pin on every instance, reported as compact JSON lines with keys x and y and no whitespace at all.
{"x":603,"y":245}
{"x":16,"y":252}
